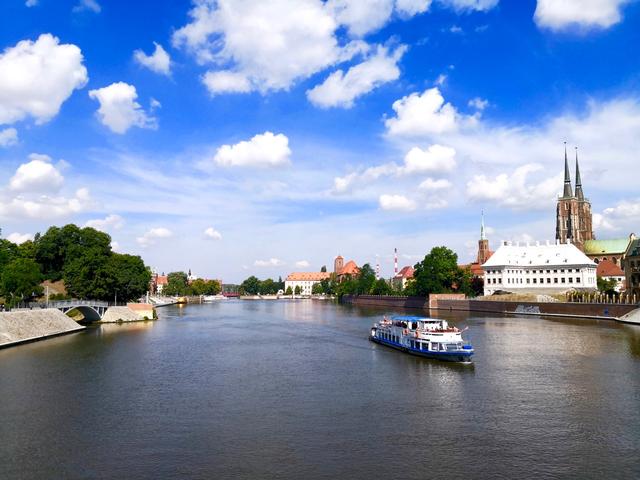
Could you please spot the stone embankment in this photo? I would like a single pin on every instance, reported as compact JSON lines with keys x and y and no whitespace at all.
{"x":133,"y":312}
{"x":459,"y":303}
{"x":29,"y":325}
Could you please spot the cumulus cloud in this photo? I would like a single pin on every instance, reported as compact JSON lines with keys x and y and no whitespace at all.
{"x":8,"y":137}
{"x":272,"y":262}
{"x":37,"y":175}
{"x":151,"y":236}
{"x":263,"y":150}
{"x":436,"y":158}
{"x":559,"y":15}
{"x":424,"y":114}
{"x":302,"y":264}
{"x":341,"y":89}
{"x":212,"y":234}
{"x":109,"y":223}
{"x":516,"y":190}
{"x":48,"y":73}
{"x":361,"y":16}
{"x":478,"y":103}
{"x":396,"y":202}
{"x":158,"y":62}
{"x":87,"y":6}
{"x":44,"y":207}
{"x":119,"y":110}
{"x":432,"y":185}
{"x":19,"y":238}
{"x":623,"y":217}
{"x":226,"y":81}
{"x":470,"y":5}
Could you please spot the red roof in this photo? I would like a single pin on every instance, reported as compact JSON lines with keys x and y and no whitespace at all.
{"x":162,"y":280}
{"x":406,"y":272}
{"x":350,"y":268}
{"x":309,"y":276}
{"x":606,"y":268}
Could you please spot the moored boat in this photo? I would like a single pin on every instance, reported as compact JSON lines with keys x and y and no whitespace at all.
{"x":425,"y":337}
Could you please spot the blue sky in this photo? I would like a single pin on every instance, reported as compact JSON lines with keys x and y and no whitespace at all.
{"x":267,"y":137}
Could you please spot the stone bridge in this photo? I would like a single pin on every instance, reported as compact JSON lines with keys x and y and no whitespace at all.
{"x":92,"y":310}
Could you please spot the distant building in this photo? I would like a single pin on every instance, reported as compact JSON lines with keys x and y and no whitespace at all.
{"x":631,"y":265}
{"x":607,"y":270}
{"x":399,"y":281}
{"x":547,"y":268}
{"x":612,"y":250}
{"x":158,"y":282}
{"x":573,"y":211}
{"x":484,"y":253}
{"x":304,"y":280}
{"x":344,"y":271}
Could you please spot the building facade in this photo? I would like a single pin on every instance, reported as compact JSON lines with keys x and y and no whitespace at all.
{"x":607,"y":270}
{"x":304,"y":280}
{"x":612,"y":250}
{"x":539,"y":268}
{"x":573,"y":211}
{"x":631,"y":265}
{"x":400,"y":279}
{"x":484,"y":254}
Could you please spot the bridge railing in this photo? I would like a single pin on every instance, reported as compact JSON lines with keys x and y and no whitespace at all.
{"x":71,"y":303}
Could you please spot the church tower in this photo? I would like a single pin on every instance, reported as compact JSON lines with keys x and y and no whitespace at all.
{"x":338,"y":263}
{"x":573,"y":211}
{"x":483,"y":245}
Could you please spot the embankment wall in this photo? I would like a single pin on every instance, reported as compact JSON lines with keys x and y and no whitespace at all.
{"x":437,"y":302}
{"x":29,"y":325}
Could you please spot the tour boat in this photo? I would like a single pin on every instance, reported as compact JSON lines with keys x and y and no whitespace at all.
{"x":425,"y":337}
{"x":213,"y":298}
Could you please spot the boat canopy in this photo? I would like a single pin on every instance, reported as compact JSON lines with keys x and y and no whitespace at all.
{"x":409,"y":318}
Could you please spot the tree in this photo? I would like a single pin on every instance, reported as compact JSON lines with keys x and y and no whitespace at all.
{"x":268,"y":287}
{"x":8,"y":252}
{"x":297,"y":290}
{"x":381,"y":287}
{"x":288,"y":291}
{"x":205,"y":287}
{"x":86,"y":275}
{"x":317,"y":289}
{"x":365,"y":280}
{"x":177,"y":284}
{"x":251,"y":286}
{"x":128,"y":276}
{"x":437,"y":273}
{"x":20,"y":281}
{"x":607,"y":286}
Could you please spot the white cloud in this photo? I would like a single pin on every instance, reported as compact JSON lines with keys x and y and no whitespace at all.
{"x":559,"y":15}
{"x":436,"y":158}
{"x":226,"y":81}
{"x":431,"y":185}
{"x":272,"y":262}
{"x":516,"y":190}
{"x":346,"y":183}
{"x":302,"y":264}
{"x":412,"y":7}
{"x":478,"y":103}
{"x":624,"y":217}
{"x":158,"y":62}
{"x":37,"y":175}
{"x":44,"y":207}
{"x":423,"y":114}
{"x":361,"y":16}
{"x":119,"y":110}
{"x":263,"y":150}
{"x":469,"y":5}
{"x":19,"y":238}
{"x":396,"y":202}
{"x":37,"y":77}
{"x":272,"y":44}
{"x":115,"y":246}
{"x":87,"y":6}
{"x":340,"y":89}
{"x":31,"y":3}
{"x":8,"y":137}
{"x":212,"y":233}
{"x":110,"y":222}
{"x":151,"y":236}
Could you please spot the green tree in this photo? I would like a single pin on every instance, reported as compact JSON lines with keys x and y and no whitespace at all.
{"x":268,"y":287}
{"x":20,"y":281}
{"x":288,"y":291}
{"x":8,"y":252}
{"x":317,"y":289}
{"x":205,"y":287}
{"x":251,"y":286}
{"x":607,"y":286}
{"x":437,"y":273}
{"x":177,"y":284}
{"x":128,"y":276}
{"x":381,"y":287}
{"x":365,"y":280}
{"x":297,"y":290}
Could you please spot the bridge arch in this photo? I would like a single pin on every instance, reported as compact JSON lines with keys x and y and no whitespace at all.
{"x":89,"y":314}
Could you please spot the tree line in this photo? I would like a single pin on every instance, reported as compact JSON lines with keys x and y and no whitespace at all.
{"x":178,"y":284}
{"x":81,"y":257}
{"x":254,"y":286}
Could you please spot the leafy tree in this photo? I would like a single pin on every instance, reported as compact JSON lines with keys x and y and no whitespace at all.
{"x":381,"y":287}
{"x":205,"y":287}
{"x":27,"y":250}
{"x":8,"y":252}
{"x":268,"y":287}
{"x":128,"y":276}
{"x":317,"y":289}
{"x":365,"y":280}
{"x":297,"y":290}
{"x":607,"y":286}
{"x":346,"y":287}
{"x":288,"y":291}
{"x":177,"y":284}
{"x":437,"y":273}
{"x":280,"y":285}
{"x":20,"y":281}
{"x":251,"y":286}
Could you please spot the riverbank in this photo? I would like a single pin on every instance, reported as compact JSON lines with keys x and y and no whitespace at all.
{"x":30,"y":325}
{"x":447,"y":302}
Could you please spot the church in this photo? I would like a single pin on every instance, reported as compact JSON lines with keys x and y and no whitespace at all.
{"x":574,"y":222}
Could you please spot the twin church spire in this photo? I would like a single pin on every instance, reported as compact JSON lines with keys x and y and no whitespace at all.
{"x":568,"y":190}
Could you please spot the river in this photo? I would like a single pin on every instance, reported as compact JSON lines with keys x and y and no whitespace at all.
{"x":281,"y":389}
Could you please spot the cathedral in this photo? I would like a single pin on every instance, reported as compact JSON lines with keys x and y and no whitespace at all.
{"x":573,"y":212}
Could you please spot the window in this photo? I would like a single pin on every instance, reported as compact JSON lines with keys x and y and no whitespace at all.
{"x":555,"y":280}
{"x":535,"y":280}
{"x":577,"y":279}
{"x":563,"y":280}
{"x":528,"y":280}
{"x":570,"y":279}
{"x":548,"y":280}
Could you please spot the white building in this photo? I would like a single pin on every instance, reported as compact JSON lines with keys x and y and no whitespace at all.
{"x":538,"y":268}
{"x":304,"y":280}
